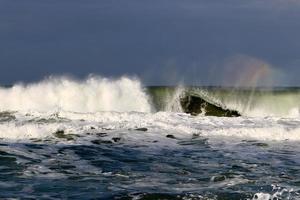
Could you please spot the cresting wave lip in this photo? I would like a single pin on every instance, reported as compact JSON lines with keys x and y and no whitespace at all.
{"x":91,"y":95}
{"x":218,"y":101}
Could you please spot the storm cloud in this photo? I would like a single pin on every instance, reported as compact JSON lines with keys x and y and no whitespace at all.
{"x":160,"y":41}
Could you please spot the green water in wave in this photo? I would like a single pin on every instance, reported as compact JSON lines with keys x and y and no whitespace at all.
{"x":246,"y":101}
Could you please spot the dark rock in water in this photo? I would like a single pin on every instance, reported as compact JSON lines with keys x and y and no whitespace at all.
{"x":101,"y":134}
{"x":116,"y":139}
{"x":92,"y":127}
{"x":61,"y":134}
{"x":6,"y":116}
{"x":141,"y":129}
{"x":260,"y":144}
{"x":101,"y":142}
{"x":218,"y":178}
{"x":196,"y":105}
{"x":170,"y":136}
{"x":195,"y":135}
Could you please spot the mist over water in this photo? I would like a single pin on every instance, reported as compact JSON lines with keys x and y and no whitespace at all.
{"x":243,"y":71}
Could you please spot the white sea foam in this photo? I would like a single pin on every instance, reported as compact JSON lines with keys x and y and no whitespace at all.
{"x":90,"y":95}
{"x":25,"y":131}
{"x":121,"y":105}
{"x":173,"y":102}
{"x":278,"y":193}
{"x":39,"y":125}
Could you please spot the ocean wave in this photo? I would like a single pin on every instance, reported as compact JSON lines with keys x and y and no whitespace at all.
{"x":91,"y":95}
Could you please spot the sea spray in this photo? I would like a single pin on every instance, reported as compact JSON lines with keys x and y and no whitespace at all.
{"x":262,"y":102}
{"x":90,"y":95}
{"x":173,"y":101}
{"x":96,"y":94}
{"x":166,"y":98}
{"x":248,"y":73}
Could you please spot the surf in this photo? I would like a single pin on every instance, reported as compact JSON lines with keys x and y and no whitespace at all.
{"x":128,"y":94}
{"x":93,"y":94}
{"x":227,"y":101}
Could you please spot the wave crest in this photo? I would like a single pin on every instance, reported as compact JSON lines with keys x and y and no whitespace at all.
{"x":90,"y":95}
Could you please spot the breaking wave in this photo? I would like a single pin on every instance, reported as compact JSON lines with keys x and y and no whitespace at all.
{"x":228,"y":102}
{"x":91,"y":95}
{"x":96,"y":94}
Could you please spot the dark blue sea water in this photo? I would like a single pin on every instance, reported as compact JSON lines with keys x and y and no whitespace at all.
{"x":189,"y":168}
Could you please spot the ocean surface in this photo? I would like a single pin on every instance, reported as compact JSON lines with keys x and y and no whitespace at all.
{"x":103,"y":138}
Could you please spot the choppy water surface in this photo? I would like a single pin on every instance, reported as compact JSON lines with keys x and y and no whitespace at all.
{"x":148,"y":156}
{"x":114,"y":139}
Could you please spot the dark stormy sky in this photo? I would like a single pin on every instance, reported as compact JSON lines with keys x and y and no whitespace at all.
{"x":203,"y":42}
